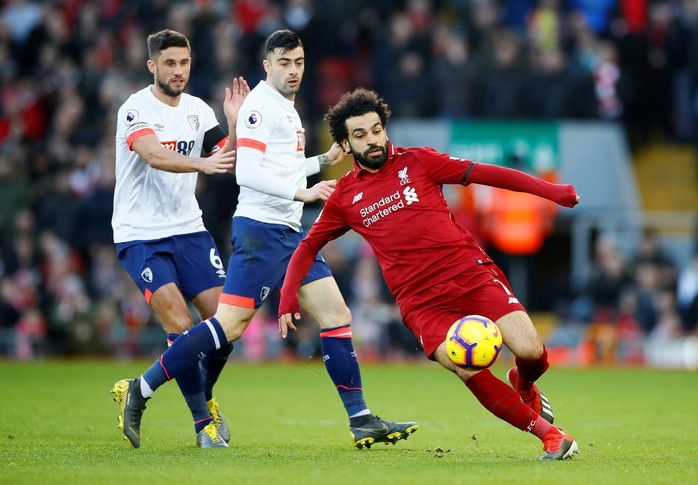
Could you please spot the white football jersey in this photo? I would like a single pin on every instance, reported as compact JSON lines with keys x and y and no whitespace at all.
{"x":151,"y":204}
{"x":270,"y":145}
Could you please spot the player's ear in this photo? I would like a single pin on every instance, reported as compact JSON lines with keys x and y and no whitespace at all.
{"x":345,"y":146}
{"x":267,"y":66}
{"x":151,"y":66}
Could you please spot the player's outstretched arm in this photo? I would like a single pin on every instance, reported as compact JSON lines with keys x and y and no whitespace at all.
{"x":515,"y":180}
{"x":319,"y":191}
{"x":298,"y":267}
{"x":222,"y":161}
{"x":157,"y":156}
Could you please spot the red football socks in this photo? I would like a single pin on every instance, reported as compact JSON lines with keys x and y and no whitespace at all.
{"x":531,"y":370}
{"x":504,"y":402}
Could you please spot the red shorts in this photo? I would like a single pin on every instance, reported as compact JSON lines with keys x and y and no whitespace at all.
{"x":481,"y":290}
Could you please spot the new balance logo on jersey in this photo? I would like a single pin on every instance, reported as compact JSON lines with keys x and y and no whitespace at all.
{"x":410,"y":195}
{"x":404,"y":179}
{"x":147,"y":275}
{"x":357,"y":198}
{"x":513,"y":300}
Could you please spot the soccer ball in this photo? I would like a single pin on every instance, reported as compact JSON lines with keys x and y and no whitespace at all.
{"x":474,"y":342}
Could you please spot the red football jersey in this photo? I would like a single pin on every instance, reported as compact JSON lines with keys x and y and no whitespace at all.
{"x":400,"y":210}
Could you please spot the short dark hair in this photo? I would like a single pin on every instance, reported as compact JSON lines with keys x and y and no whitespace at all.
{"x":285,"y":40}
{"x":355,"y":103}
{"x":159,"y":41}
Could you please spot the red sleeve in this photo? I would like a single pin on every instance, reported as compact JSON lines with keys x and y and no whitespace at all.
{"x":443,"y":168}
{"x":330,"y":225}
{"x":298,"y":267}
{"x":510,"y":179}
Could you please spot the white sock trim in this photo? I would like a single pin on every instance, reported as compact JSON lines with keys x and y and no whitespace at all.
{"x":361,"y":413}
{"x":216,"y":340}
{"x":146,"y":391}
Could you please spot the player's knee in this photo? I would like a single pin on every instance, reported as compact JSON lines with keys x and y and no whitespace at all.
{"x":234,"y":329}
{"x":532,"y":351}
{"x":179,"y":325}
{"x":344,"y":317}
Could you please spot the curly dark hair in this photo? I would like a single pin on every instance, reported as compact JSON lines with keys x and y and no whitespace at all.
{"x":355,"y":103}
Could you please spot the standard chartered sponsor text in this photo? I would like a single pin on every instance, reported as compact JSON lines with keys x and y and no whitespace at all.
{"x":384,"y":207}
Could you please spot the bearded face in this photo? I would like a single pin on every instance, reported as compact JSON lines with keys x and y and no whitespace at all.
{"x":373,"y":157}
{"x":171,"y":87}
{"x":368,"y":140}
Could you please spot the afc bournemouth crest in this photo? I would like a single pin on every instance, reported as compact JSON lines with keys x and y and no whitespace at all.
{"x":147,"y":275}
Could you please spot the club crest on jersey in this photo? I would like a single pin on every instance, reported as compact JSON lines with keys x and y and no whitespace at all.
{"x":404,"y":179}
{"x":147,"y":275}
{"x":253,"y":119}
{"x":193,"y":122}
{"x":131,"y":116}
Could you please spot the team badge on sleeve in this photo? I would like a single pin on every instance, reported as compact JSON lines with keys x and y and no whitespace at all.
{"x":253,"y":119}
{"x":131,"y":116}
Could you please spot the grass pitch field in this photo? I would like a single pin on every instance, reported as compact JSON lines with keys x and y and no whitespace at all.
{"x":58,"y":425}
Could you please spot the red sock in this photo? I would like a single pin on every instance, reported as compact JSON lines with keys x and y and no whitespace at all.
{"x":502,"y":400}
{"x":541,"y":428}
{"x":531,"y":370}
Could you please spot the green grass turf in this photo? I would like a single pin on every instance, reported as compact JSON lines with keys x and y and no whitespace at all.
{"x":57,"y":425}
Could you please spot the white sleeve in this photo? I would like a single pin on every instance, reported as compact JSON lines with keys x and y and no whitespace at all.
{"x":312,"y":165}
{"x":209,"y":117}
{"x":133,"y":120}
{"x":250,"y":174}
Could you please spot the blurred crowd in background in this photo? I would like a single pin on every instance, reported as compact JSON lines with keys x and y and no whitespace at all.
{"x":66,"y":66}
